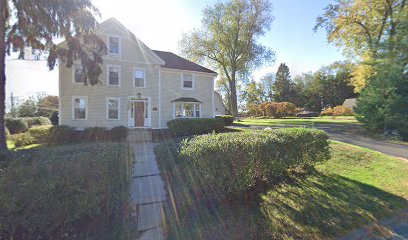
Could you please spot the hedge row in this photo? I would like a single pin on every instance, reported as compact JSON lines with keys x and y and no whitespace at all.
{"x":65,"y":134}
{"x":234,"y":163}
{"x":195,"y":126}
{"x":65,"y":192}
{"x":228,"y":119}
{"x":18,"y":125}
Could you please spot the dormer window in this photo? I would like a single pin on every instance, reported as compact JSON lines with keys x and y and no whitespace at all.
{"x":114,"y":45}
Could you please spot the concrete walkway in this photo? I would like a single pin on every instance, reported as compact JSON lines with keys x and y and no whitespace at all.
{"x":147,"y":193}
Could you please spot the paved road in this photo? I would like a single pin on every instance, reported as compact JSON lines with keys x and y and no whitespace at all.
{"x":336,"y":133}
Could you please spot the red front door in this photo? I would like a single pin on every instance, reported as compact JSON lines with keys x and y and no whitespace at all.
{"x":139,"y":114}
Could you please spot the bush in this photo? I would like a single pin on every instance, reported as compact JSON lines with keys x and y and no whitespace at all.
{"x":34,"y":121}
{"x":95,"y":134}
{"x":337,"y":111}
{"x":273,"y":109}
{"x":119,"y":133}
{"x":61,"y":134}
{"x":228,"y":119}
{"x":6,"y":131}
{"x":24,"y":139}
{"x":16,"y":125}
{"x":65,"y":192}
{"x":54,"y":117}
{"x":40,"y":133}
{"x":195,"y":126}
{"x":234,"y":163}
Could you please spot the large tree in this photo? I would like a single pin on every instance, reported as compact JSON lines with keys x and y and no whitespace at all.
{"x":267,"y":84}
{"x":38,"y":24}
{"x":227,"y":40}
{"x":383,"y":103}
{"x":360,"y":27}
{"x":284,"y":88}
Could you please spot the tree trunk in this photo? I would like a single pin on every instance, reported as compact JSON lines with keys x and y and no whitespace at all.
{"x":233,"y":87}
{"x":3,"y":144}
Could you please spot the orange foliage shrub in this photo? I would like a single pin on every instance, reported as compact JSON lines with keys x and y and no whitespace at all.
{"x":337,"y":111}
{"x":273,"y":109}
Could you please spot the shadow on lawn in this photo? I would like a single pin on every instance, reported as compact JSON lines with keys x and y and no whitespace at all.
{"x":318,"y":206}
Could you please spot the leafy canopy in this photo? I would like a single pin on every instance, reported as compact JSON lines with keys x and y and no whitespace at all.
{"x":40,"y":24}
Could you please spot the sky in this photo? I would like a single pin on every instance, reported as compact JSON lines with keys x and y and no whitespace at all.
{"x":161,"y":23}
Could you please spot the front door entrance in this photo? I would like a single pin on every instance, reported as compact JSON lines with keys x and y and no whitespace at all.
{"x":139,"y":114}
{"x":139,"y":110}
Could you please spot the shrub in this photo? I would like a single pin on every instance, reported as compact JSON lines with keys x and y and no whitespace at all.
{"x":119,"y":133}
{"x":34,"y":121}
{"x":95,"y":134}
{"x":65,"y":192}
{"x":6,"y":131}
{"x":16,"y":125}
{"x":61,"y":134}
{"x":234,"y":163}
{"x":40,"y":133}
{"x":195,"y":126}
{"x":273,"y":109}
{"x":228,"y":119}
{"x":337,"y":111}
{"x":24,"y":139}
{"x":54,"y":117}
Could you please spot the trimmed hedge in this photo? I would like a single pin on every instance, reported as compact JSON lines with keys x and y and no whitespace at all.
{"x":195,"y":126}
{"x":65,"y":192}
{"x":66,"y":134}
{"x":228,"y":119}
{"x":235,"y":163}
{"x":16,"y":125}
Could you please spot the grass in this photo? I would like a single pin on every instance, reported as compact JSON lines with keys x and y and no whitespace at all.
{"x":356,"y":187}
{"x":11,"y":145}
{"x":298,"y":121}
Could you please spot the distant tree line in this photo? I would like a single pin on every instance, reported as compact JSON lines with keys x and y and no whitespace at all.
{"x":327,"y":87}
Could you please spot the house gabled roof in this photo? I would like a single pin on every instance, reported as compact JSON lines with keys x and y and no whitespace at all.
{"x":174,"y":61}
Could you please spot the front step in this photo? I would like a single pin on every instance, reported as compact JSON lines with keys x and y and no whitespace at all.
{"x":139,"y":135}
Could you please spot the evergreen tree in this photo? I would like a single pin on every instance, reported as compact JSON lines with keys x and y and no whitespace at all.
{"x":283,"y":87}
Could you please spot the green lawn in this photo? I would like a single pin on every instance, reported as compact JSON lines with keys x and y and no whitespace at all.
{"x":298,"y":121}
{"x":11,"y":145}
{"x":354,"y":188}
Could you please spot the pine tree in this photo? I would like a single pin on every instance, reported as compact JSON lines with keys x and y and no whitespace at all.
{"x":283,"y":87}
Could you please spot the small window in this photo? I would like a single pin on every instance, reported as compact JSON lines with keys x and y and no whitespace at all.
{"x":79,"y":75}
{"x":179,"y":112}
{"x":187,"y":110}
{"x":113,"y":75}
{"x":197,"y":110}
{"x":114,"y":47}
{"x":139,"y":78}
{"x":188,"y":81}
{"x":80,"y":107}
{"x":112,"y":106}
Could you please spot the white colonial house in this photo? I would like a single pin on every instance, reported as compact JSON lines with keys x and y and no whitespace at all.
{"x":141,"y":88}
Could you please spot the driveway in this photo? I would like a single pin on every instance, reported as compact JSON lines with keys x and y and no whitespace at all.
{"x":344,"y":133}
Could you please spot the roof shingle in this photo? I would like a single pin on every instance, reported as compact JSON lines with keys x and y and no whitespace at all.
{"x":176,"y":62}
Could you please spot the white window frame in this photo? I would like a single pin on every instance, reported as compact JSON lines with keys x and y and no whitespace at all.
{"x":120,"y":45}
{"x":74,"y":66}
{"x":73,"y":107}
{"x":107,"y":108}
{"x":182,"y":109}
{"x":192,"y":81}
{"x":119,"y":75}
{"x":144,"y":77}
